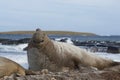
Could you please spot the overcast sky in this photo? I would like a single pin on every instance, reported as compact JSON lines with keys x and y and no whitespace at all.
{"x":97,"y":16}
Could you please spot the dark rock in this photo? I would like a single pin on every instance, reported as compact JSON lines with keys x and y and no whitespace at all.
{"x":101,"y":45}
{"x":77,"y":43}
{"x":63,"y":40}
{"x":25,"y":40}
{"x":9,"y":42}
{"x":1,"y":40}
{"x":16,"y":42}
{"x":113,"y":49}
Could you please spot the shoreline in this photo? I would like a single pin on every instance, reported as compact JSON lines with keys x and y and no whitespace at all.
{"x":52,"y":33}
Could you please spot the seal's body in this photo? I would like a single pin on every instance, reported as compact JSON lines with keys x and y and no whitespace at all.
{"x":8,"y":67}
{"x":63,"y":54}
{"x":38,"y":61}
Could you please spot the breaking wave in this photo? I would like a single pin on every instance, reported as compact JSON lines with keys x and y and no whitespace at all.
{"x":12,"y":48}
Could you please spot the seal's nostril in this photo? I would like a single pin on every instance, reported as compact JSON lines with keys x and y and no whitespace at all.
{"x":42,"y":41}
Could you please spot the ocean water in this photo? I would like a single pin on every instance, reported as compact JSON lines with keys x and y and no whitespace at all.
{"x":16,"y":53}
{"x":81,"y":38}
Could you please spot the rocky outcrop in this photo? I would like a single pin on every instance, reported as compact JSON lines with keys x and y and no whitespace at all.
{"x":93,"y":45}
{"x":10,"y":42}
{"x":100,"y":46}
{"x":113,"y":49}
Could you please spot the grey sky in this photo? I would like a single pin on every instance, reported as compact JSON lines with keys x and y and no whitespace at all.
{"x":96,"y":16}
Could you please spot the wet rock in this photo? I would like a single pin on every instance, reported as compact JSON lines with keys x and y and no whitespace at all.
{"x":10,"y":42}
{"x":113,"y":49}
{"x":16,"y":42}
{"x":78,"y":43}
{"x":25,"y":40}
{"x":64,"y":40}
{"x":2,"y":40}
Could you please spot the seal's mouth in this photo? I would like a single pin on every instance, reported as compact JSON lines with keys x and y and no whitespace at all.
{"x":38,"y":42}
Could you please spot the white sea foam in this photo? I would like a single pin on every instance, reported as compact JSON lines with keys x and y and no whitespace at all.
{"x":12,"y":48}
{"x":67,"y":39}
{"x":115,"y":57}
